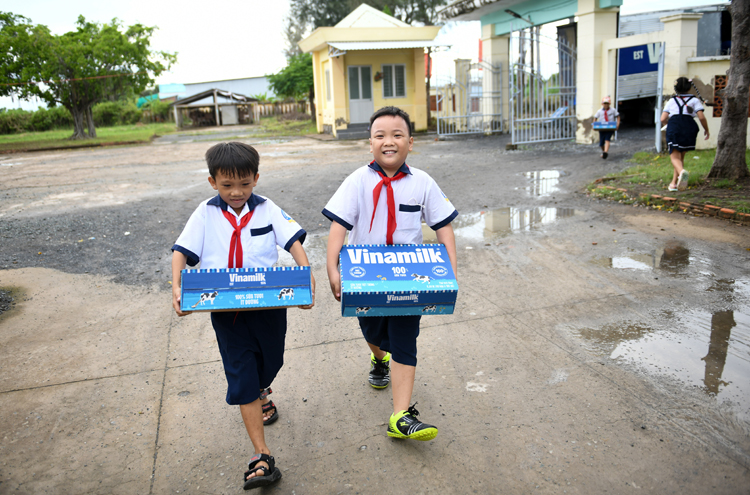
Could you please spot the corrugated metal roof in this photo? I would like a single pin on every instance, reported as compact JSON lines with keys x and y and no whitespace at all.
{"x":383,"y":45}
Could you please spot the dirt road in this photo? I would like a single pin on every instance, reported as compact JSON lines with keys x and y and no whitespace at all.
{"x":596,"y":347}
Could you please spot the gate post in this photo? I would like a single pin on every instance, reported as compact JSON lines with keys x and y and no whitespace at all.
{"x":595,"y":25}
{"x":495,"y":50}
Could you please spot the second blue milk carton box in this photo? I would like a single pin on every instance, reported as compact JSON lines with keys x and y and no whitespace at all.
{"x":243,"y":289}
{"x":380,"y":280}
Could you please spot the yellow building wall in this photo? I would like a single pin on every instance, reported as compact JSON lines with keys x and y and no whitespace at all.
{"x":335,"y":113}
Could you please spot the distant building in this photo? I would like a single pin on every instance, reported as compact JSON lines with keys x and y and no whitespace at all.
{"x":249,"y":86}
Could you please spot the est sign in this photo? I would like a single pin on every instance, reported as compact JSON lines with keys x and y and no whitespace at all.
{"x":639,"y":59}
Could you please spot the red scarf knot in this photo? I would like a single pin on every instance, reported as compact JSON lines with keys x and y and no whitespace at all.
{"x":386,"y":181}
{"x":235,"y":244}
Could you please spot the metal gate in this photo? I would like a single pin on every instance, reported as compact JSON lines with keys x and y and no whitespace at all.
{"x":470,"y":102}
{"x":542,"y":109}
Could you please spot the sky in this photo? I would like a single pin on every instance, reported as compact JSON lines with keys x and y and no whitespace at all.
{"x":232,"y":38}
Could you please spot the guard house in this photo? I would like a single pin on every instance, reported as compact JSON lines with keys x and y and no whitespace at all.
{"x":367,"y":61}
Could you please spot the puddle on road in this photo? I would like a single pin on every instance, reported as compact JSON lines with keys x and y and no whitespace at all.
{"x":674,"y":257}
{"x":500,"y":222}
{"x":708,"y":350}
{"x":543,"y":182}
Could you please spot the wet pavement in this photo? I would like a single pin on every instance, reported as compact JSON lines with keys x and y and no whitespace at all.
{"x":595,"y":347}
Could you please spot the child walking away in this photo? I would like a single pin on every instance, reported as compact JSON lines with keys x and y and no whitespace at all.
{"x":385,"y":203}
{"x":240,"y":229}
{"x":606,"y":115}
{"x":679,"y":116}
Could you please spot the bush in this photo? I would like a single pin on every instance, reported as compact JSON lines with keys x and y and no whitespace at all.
{"x":111,"y":113}
{"x":61,"y":117}
{"x":156,"y":111}
{"x":14,"y":120}
{"x":106,"y":114}
{"x":131,"y":114}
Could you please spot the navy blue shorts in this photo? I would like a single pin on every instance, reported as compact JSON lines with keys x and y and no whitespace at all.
{"x":395,"y":334}
{"x":605,"y":136}
{"x":252,"y":350}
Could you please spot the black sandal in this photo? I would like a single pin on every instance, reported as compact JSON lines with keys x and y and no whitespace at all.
{"x":270,"y":473}
{"x":267,"y":407}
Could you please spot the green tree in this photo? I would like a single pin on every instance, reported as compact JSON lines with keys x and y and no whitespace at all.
{"x":296,"y":79}
{"x":80,"y":68}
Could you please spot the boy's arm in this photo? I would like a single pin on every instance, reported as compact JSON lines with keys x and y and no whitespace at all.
{"x":664,"y":118}
{"x":445,"y":236}
{"x":300,"y":257}
{"x":179,"y":261}
{"x":336,"y":238}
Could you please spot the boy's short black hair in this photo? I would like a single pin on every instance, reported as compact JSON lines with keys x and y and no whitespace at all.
{"x":392,"y":111}
{"x":682,"y":85}
{"x":232,"y":159}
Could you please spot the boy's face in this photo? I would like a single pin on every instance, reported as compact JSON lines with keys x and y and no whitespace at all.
{"x":235,"y":191}
{"x":390,"y":142}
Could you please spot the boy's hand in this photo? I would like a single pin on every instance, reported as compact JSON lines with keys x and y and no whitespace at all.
{"x":312,"y":292}
{"x":334,"y":277}
{"x":176,"y":293}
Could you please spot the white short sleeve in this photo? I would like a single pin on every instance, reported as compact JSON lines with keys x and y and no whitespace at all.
{"x":285,"y":228}
{"x":438,"y":210}
{"x":190,"y":242}
{"x":343,"y":207}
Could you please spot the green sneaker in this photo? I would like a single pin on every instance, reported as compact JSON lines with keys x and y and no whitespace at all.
{"x":406,"y":425}
{"x":380,"y":371}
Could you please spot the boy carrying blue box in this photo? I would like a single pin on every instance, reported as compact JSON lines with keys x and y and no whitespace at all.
{"x":606,"y":115}
{"x":239,"y":229}
{"x":385,"y":203}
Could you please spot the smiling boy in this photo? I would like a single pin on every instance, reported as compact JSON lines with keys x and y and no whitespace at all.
{"x":393,"y":217}
{"x":237,"y":229}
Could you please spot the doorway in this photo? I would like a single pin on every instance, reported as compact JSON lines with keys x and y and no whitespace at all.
{"x":360,"y":94}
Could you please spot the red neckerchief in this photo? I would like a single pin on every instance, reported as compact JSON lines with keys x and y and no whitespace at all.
{"x":235,"y":244}
{"x":606,"y":118}
{"x":386,"y":181}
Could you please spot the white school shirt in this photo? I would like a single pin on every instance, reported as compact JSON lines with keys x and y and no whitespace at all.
{"x":207,"y":234}
{"x":612,"y":115}
{"x":417,"y":197}
{"x":685,"y":101}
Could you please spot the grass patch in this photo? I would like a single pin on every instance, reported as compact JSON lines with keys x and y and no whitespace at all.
{"x":651,"y":173}
{"x":58,"y":138}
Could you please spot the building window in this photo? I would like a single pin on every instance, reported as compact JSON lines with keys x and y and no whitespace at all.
{"x":328,"y":84}
{"x":394,"y":81}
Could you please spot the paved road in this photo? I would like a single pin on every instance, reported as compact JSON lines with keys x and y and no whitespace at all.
{"x":596,"y":347}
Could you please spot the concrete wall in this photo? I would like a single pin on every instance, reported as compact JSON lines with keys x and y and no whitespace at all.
{"x":703,"y":71}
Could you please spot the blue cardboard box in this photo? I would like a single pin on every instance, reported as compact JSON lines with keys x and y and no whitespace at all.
{"x":604,"y":126}
{"x":244,"y":289}
{"x":380,"y":280}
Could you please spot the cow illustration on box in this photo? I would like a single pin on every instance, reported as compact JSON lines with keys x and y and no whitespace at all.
{"x":206,"y":296}
{"x":421,"y":278}
{"x":363,"y":310}
{"x":287,"y":293}
{"x":429,"y":309}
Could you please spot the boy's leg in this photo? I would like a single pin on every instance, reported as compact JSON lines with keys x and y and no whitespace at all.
{"x":379,"y":354}
{"x":606,"y":146}
{"x":252,"y":416}
{"x":402,"y":378}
